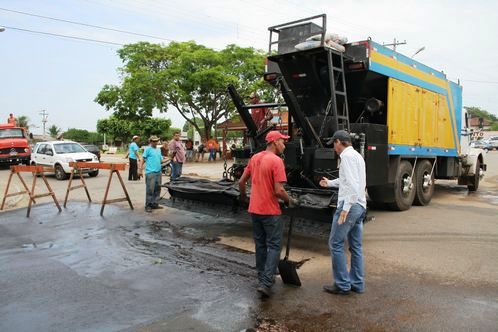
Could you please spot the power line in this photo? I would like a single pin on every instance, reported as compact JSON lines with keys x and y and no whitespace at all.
{"x":64,"y":36}
{"x":84,"y":24}
{"x":475,"y":81}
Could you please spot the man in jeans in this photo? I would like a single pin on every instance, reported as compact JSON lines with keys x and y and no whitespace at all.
{"x":177,"y":154}
{"x":152,"y":158}
{"x":348,"y":218}
{"x":267,"y":172}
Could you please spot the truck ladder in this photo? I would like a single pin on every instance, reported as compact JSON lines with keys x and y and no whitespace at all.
{"x":338,"y":95}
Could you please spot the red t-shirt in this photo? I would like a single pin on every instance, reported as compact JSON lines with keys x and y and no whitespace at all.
{"x":265,"y":168}
{"x":258,"y":115}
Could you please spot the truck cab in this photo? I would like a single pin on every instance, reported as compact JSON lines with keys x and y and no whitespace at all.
{"x":14,"y":145}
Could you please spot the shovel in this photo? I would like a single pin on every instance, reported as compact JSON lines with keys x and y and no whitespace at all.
{"x":287,"y":268}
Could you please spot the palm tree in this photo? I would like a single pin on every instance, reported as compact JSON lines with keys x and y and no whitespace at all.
{"x":54,"y":131}
{"x":23,"y":121}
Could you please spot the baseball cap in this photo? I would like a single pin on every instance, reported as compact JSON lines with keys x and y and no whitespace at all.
{"x":341,"y":135}
{"x":272,"y":136}
{"x":135,"y":136}
{"x":154,"y":138}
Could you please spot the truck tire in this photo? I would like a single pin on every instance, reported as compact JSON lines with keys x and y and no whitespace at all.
{"x":403,"y":197}
{"x":473,"y":182}
{"x":424,"y":186}
{"x":59,"y":173}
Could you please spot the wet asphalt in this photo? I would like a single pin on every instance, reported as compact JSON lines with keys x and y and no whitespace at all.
{"x":171,"y":271}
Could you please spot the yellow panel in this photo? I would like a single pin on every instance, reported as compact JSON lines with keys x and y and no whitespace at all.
{"x":428,"y":118}
{"x":417,"y":116}
{"x":402,"y":115}
{"x":445,"y":132}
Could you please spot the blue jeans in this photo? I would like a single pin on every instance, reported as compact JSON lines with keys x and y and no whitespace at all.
{"x":152,"y":188}
{"x":351,"y":230}
{"x":267,"y":234}
{"x":176,"y":169}
{"x":212,"y":154}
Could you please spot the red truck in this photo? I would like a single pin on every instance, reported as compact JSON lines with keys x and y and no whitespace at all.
{"x":14,"y":145}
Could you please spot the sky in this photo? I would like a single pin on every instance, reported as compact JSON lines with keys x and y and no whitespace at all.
{"x":63,"y":76}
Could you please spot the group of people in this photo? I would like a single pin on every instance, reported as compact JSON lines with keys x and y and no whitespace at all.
{"x":151,"y":162}
{"x":266,"y":172}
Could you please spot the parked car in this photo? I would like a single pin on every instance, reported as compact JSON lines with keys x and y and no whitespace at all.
{"x":92,"y":149}
{"x":493,"y":141}
{"x":58,"y":154}
{"x":481,"y":144}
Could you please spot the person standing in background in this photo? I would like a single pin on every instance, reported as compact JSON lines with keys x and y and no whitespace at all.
{"x":164,"y":148}
{"x":258,"y":114}
{"x":133,"y":159}
{"x":201,"y":150}
{"x":152,"y":158}
{"x":177,"y":155}
{"x":189,"y":147}
{"x":12,"y":120}
{"x":211,"y":146}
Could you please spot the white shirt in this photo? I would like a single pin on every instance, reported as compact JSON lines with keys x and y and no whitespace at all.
{"x":352,"y":179}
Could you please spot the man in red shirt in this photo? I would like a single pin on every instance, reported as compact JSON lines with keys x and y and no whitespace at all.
{"x":259,"y":115}
{"x":267,"y":172}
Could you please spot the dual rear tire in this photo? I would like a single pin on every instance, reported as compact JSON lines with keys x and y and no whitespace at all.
{"x":407,"y":191}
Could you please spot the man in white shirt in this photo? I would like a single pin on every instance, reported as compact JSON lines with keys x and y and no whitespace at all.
{"x":348,"y":217}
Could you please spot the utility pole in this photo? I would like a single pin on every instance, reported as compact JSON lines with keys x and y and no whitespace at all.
{"x":395,"y":43}
{"x":44,"y":115}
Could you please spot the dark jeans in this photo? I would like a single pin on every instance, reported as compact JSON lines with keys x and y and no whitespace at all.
{"x":176,"y":169}
{"x":267,"y":234}
{"x":212,"y":154}
{"x":133,"y":170}
{"x":152,"y":189}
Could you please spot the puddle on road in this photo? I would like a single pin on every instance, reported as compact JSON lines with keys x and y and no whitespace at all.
{"x":483,"y":194}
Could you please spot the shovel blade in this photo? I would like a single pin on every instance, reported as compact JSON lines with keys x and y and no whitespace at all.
{"x":288,"y":272}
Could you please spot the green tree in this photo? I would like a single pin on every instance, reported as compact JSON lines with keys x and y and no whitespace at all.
{"x":151,"y":126}
{"x":78,"y":135}
{"x":54,"y":131}
{"x":123,"y":129}
{"x":186,"y":76}
{"x":117,"y":129}
{"x":23,"y":121}
{"x":170,"y":131}
{"x":477,"y":112}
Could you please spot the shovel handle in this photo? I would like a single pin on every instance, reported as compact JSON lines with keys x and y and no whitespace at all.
{"x":289,"y":238}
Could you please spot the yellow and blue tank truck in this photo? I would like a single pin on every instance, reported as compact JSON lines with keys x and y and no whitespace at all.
{"x":405,"y":118}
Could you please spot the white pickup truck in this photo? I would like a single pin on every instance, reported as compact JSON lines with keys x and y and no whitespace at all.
{"x":58,"y":154}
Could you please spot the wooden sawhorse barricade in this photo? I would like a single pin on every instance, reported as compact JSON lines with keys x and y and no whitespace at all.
{"x":36,"y":171}
{"x":114,"y":168}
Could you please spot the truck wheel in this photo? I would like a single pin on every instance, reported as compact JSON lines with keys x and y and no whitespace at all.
{"x":59,"y":173}
{"x":424,"y":183}
{"x":473,"y":182}
{"x":404,"y":193}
